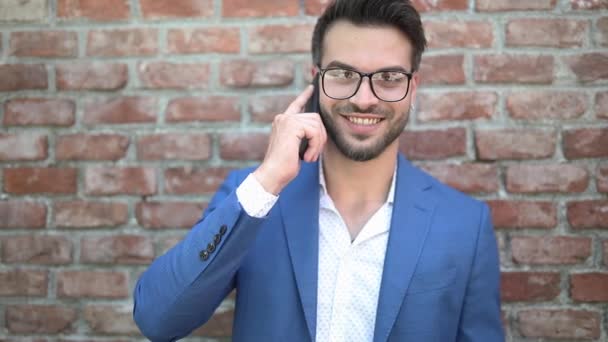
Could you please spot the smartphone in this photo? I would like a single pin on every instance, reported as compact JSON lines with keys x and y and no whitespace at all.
{"x":312,"y":106}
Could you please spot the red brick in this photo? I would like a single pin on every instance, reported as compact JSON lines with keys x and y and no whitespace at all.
{"x":220,"y":325}
{"x":204,"y":40}
{"x":601,"y":35}
{"x":588,"y":67}
{"x":243,"y":146}
{"x":187,"y":180}
{"x":434,"y":144}
{"x":442,"y":69}
{"x":91,"y":147}
{"x":589,"y":4}
{"x":315,"y":7}
{"x":589,"y":214}
{"x":440,"y":5}
{"x":23,"y":11}
{"x":14,"y":77}
{"x":111,"y":319}
{"x":264,"y":108}
{"x":260,"y":8}
{"x":523,"y":214}
{"x":550,"y":250}
{"x":514,"y":144}
{"x":22,"y":282}
{"x":120,"y":110}
{"x":39,"y":112}
{"x":601,"y":105}
{"x":546,"y":178}
{"x":36,"y":249}
{"x":244,"y":73}
{"x":586,"y":143}
{"x":40,"y":319}
{"x":117,"y":249}
{"x":168,"y":214}
{"x":589,"y":287}
{"x":513,"y":69}
{"x":538,"y":105}
{"x":162,"y":9}
{"x":510,"y":5}
{"x":122,"y":42}
{"x":92,"y":284}
{"x":562,"y":324}
{"x":208,"y":108}
{"x":22,"y":214}
{"x":166,"y":75}
{"x":108,"y":10}
{"x":181,"y":146}
{"x":280,"y":39}
{"x":120,"y":180}
{"x":91,"y":76}
{"x":454,"y":34}
{"x":602,"y":178}
{"x":529,"y":286}
{"x":456,"y":106}
{"x":24,"y":146}
{"x":559,"y":33}
{"x":44,"y":44}
{"x":26,"y":180}
{"x":87,"y":214}
{"x":470,"y":178}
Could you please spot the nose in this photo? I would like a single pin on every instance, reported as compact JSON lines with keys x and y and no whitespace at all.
{"x":364,"y":98}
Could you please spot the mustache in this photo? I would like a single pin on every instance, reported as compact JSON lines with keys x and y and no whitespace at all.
{"x":352,"y":108}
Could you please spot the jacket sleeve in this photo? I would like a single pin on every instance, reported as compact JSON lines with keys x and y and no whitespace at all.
{"x":480,"y":320}
{"x":181,"y":289}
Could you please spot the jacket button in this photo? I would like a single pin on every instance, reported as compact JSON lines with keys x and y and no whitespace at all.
{"x":204,"y":255}
{"x":217,"y":239}
{"x":211,"y":247}
{"x":223,"y":229}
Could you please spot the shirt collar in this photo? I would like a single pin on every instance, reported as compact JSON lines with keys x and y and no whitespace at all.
{"x":391,"y":193}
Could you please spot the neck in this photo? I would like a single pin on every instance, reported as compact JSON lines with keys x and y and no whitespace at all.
{"x":353,"y":181}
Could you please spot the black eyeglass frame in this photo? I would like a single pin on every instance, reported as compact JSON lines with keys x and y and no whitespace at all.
{"x":369,"y":75}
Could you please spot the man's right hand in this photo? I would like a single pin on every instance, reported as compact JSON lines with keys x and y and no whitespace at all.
{"x":282,"y":163}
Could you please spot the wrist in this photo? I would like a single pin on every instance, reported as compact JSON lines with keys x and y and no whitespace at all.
{"x":267,"y":181}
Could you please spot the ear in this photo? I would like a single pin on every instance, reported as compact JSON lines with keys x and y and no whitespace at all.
{"x":313,"y":71}
{"x":414,"y":87}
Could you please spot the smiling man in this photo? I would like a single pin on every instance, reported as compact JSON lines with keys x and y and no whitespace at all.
{"x":353,"y":243}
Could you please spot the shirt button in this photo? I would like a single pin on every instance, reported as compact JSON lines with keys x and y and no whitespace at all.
{"x":223,"y":229}
{"x":204,"y":255}
{"x":211,"y":247}
{"x":217,"y":239}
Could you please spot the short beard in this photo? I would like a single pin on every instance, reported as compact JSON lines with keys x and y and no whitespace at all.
{"x":365,"y":153}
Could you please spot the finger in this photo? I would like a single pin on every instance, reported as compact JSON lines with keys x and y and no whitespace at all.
{"x":298,"y":104}
{"x":314,"y":133}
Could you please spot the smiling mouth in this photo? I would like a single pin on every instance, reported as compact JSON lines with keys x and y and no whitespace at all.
{"x":363,"y":121}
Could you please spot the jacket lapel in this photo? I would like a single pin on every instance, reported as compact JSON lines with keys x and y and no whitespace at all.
{"x":412,"y":212}
{"x":300,"y":212}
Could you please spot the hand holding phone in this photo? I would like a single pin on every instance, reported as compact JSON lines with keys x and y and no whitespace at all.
{"x":312,"y":106}
{"x":297,"y":134}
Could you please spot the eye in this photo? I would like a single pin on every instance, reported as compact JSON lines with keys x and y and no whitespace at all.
{"x":343,"y":74}
{"x":391,"y":76}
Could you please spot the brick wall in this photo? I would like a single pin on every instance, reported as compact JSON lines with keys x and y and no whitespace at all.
{"x":119,"y":118}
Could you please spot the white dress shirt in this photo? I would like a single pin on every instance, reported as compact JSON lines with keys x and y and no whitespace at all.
{"x":349,"y":273}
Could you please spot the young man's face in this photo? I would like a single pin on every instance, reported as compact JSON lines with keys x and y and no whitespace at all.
{"x":363,"y":126}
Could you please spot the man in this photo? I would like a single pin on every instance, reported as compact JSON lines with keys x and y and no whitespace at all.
{"x":354,"y":243}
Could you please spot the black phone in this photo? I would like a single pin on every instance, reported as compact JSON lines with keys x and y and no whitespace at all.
{"x":312,"y":106}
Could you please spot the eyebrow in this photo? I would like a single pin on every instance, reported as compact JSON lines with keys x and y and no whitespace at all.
{"x":346,"y":66}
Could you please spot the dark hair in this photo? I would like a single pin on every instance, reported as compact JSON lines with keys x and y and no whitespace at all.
{"x":400,"y":14}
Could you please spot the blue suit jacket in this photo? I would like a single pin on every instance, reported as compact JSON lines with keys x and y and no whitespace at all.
{"x":440,"y":280}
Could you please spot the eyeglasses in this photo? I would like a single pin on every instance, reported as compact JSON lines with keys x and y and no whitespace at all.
{"x":387,"y":85}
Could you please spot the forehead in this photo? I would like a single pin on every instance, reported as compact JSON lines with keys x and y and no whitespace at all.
{"x":367,"y":48}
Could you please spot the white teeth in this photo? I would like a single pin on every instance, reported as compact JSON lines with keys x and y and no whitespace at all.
{"x":362,"y":121}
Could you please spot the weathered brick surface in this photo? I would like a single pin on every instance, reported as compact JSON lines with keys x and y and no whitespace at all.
{"x":119,"y":120}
